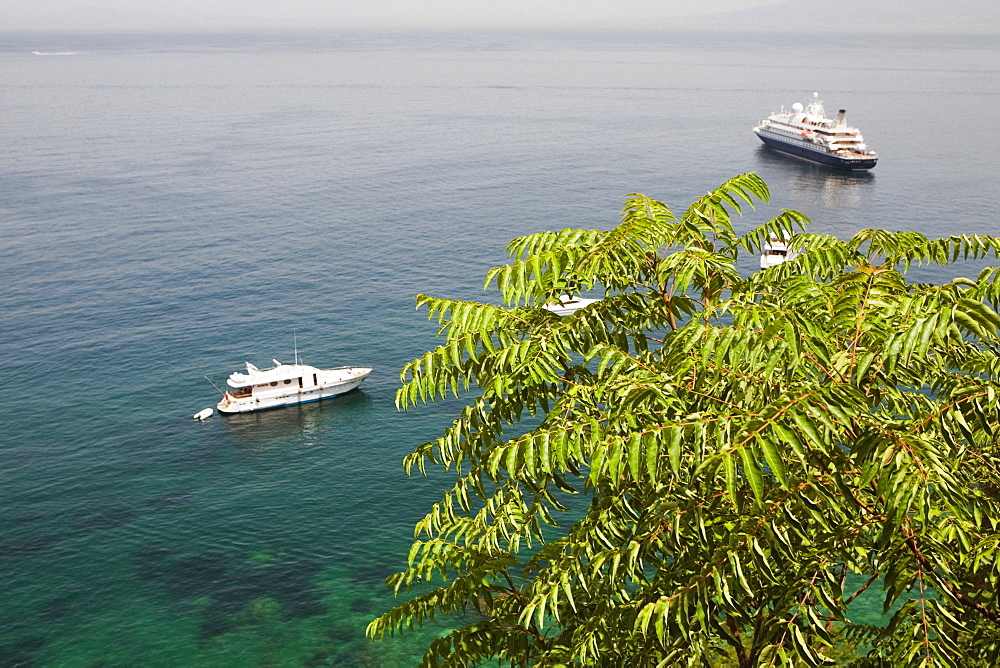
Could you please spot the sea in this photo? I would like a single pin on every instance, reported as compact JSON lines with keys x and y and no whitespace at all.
{"x":175,"y":205}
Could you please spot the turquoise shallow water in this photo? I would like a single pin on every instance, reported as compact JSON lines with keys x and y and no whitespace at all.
{"x":173,"y":206}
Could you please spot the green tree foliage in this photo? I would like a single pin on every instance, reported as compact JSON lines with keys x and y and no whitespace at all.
{"x":748,"y":445}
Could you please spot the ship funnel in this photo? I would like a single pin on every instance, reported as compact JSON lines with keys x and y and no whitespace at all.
{"x":842,"y":117}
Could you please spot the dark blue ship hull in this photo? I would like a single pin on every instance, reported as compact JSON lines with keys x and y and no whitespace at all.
{"x":817,"y":154}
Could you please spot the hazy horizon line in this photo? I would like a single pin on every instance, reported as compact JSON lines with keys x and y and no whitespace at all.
{"x":641,"y":35}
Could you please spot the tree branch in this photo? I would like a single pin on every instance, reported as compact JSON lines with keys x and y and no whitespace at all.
{"x":957,"y":595}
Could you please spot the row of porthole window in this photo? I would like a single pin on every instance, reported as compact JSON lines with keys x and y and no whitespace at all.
{"x":248,"y":389}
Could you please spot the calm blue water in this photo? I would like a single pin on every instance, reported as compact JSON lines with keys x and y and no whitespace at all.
{"x":172,"y":206}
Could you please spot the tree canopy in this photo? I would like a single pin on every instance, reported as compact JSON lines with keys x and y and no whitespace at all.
{"x":752,"y":451}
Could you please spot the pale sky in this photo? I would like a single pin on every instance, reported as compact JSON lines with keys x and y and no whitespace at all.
{"x":89,"y":14}
{"x":617,"y":15}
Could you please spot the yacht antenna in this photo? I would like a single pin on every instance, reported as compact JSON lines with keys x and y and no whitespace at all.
{"x":215,"y":386}
{"x":295,"y":345}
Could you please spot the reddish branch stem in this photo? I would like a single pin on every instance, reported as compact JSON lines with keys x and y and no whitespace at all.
{"x":957,"y":595}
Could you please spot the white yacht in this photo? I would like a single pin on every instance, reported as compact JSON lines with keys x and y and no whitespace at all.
{"x":287,"y":385}
{"x":567,"y":304}
{"x":775,"y":252}
{"x":806,"y":132}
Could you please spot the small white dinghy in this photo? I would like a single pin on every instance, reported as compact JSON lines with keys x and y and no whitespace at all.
{"x":775,"y":252}
{"x":204,"y":415}
{"x":568,"y":304}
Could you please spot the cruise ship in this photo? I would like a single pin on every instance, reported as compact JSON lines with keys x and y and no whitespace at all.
{"x":808,"y":134}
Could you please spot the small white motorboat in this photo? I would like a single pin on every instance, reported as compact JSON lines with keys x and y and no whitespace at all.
{"x":568,"y":304}
{"x":287,"y":385}
{"x":775,"y":252}
{"x":204,"y":414}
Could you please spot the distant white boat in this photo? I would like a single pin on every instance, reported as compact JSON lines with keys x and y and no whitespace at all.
{"x":568,"y":304}
{"x":287,"y":385}
{"x":204,"y":414}
{"x":775,"y":252}
{"x":55,"y":53}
